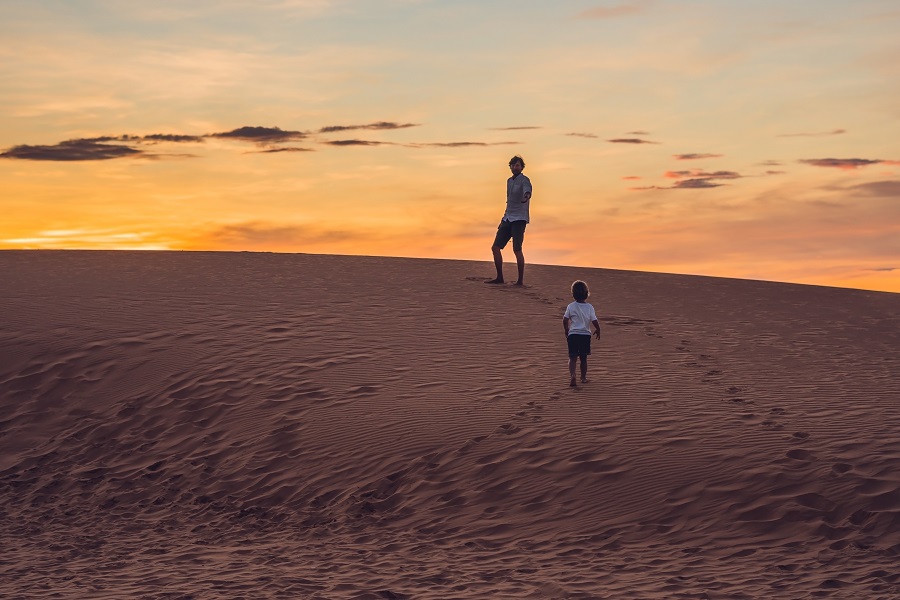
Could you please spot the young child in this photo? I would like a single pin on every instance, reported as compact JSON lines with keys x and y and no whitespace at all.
{"x":577,"y":322}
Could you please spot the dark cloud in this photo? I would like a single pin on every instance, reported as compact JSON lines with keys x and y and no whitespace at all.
{"x":775,"y":172}
{"x":638,"y":132}
{"x":840,"y":163}
{"x":516,"y":128}
{"x":817,"y":134}
{"x":583,"y":135}
{"x":630,"y":141}
{"x":261,"y":135}
{"x":357,"y":143}
{"x":771,"y":163}
{"x":694,"y":179}
{"x":702,"y":174}
{"x":694,"y":156}
{"x":289,"y":149}
{"x":171,"y":137}
{"x":380,"y":125}
{"x":695,"y":184}
{"x":885,"y":269}
{"x":611,"y":12}
{"x":72,"y":150}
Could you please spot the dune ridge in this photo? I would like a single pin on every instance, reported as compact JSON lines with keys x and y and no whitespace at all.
{"x":251,"y":425}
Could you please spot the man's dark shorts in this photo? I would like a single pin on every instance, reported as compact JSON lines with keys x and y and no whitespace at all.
{"x":507,"y":230}
{"x":579,"y":344}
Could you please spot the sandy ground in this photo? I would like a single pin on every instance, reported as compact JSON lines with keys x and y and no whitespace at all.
{"x":250,"y":425}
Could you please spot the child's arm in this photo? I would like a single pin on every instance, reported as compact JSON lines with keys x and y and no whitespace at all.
{"x":566,"y":325}
{"x":596,"y":329}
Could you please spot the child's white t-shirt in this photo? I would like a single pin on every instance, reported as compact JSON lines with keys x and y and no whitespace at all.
{"x":580,"y":315}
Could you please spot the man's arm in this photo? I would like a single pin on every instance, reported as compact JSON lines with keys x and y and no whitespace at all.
{"x":566,"y":325}
{"x":596,"y":329}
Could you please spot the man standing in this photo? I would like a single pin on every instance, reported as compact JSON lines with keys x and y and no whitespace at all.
{"x":512,"y":225}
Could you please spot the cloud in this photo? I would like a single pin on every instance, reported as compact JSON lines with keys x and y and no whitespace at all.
{"x":256,"y":234}
{"x":638,"y":132}
{"x":695,"y":174}
{"x":848,"y":164}
{"x":288,"y":149}
{"x":881,"y":189}
{"x":72,"y":150}
{"x":770,"y":163}
{"x":170,"y":137}
{"x":817,"y":134}
{"x":380,"y":125}
{"x":695,"y":184}
{"x":515,"y":128}
{"x":692,"y":179}
{"x":261,"y":135}
{"x":631,"y":177}
{"x":357,"y":143}
{"x":615,"y":11}
{"x":583,"y":135}
{"x":630,"y":141}
{"x":694,"y":156}
{"x":460,"y":144}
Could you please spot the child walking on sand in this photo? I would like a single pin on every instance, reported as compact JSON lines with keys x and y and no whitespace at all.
{"x":577,"y":323}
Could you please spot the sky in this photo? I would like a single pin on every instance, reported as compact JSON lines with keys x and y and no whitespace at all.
{"x":712,"y":137}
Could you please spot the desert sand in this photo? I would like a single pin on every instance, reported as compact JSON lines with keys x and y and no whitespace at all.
{"x":191,"y":425}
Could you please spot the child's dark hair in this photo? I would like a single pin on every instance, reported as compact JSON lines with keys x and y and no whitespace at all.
{"x":515,"y":159}
{"x":580,"y":291}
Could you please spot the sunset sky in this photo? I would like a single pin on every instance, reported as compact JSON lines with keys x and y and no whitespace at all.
{"x":738,"y":139}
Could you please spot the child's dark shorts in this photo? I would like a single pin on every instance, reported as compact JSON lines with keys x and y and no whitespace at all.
{"x":579,"y":345}
{"x":507,"y":230}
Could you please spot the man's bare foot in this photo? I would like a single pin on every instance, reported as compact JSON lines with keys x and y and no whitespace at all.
{"x":572,"y":383}
{"x":584,"y":380}
{"x":498,"y":280}
{"x":520,"y":284}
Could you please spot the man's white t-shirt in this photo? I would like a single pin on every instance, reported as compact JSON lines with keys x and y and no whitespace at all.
{"x":580,"y":315}
{"x":517,"y":202}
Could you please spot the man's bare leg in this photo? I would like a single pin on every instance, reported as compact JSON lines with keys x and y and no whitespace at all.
{"x":572,"y":360}
{"x":583,"y":370}
{"x":520,"y":263}
{"x":498,"y":263}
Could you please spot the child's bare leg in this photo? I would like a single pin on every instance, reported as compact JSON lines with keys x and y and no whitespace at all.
{"x":583,"y":370}
{"x":572,"y":360}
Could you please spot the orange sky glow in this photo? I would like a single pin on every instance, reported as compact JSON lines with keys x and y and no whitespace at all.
{"x":713,"y":138}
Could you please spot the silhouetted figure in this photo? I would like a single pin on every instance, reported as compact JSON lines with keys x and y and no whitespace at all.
{"x":577,"y":321}
{"x":512,"y":225}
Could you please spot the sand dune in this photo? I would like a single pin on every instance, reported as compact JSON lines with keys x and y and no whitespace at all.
{"x":241,"y":425}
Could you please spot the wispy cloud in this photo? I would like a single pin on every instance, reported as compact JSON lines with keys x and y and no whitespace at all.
{"x":460,"y":144}
{"x":847,"y":164}
{"x":515,"y":128}
{"x":379,"y":126}
{"x":254,"y":234}
{"x":582,"y":135}
{"x":72,"y":150}
{"x":696,"y":174}
{"x":288,"y":149}
{"x":614,"y":11}
{"x":630,"y":141}
{"x":694,"y":179}
{"x":261,"y":135}
{"x":814,"y":134}
{"x":357,"y":143}
{"x":695,"y":156}
{"x":882,"y":189}
{"x":696,"y":183}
